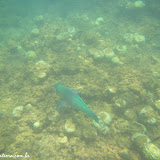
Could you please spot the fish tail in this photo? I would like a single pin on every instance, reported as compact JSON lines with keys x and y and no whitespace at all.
{"x":96,"y":118}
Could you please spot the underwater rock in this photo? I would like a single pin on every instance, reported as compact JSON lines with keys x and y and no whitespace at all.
{"x":111,"y":90}
{"x":121,"y":126}
{"x":69,"y":126}
{"x":139,"y":38}
{"x":108,"y":53}
{"x":128,"y":37}
{"x":105,"y":117}
{"x":40,"y":70}
{"x":129,"y":5}
{"x":30,"y":55}
{"x":140,"y":140}
{"x":130,"y":114}
{"x":116,"y":60}
{"x":120,"y":103}
{"x":121,"y":48}
{"x":136,"y":127}
{"x":136,"y":38}
{"x":41,"y":75}
{"x":28,"y":107}
{"x":62,"y":36}
{"x":136,"y":4}
{"x":41,"y":64}
{"x":17,"y":112}
{"x":148,"y":116}
{"x":104,"y":130}
{"x":71,"y":30}
{"x":151,"y":152}
{"x":98,"y":125}
{"x":152,"y":121}
{"x":126,"y":155}
{"x":139,"y":4}
{"x":148,"y":149}
{"x":63,"y":140}
{"x":143,"y":111}
{"x":20,"y":50}
{"x":99,"y":20}
{"x":35,"y":32}
{"x":97,"y":54}
{"x":36,"y":125}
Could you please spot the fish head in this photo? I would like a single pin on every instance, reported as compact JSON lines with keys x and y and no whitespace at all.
{"x":59,"y":87}
{"x":64,"y":92}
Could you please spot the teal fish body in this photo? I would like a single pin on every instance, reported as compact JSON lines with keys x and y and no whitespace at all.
{"x":70,"y":97}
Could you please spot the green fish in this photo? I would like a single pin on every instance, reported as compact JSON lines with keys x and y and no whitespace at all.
{"x":71,"y":98}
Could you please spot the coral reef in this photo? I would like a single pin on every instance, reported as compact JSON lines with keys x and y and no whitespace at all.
{"x":109,"y":51}
{"x":30,"y":55}
{"x":69,"y":126}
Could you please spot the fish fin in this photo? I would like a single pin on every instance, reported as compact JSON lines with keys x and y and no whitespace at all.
{"x":61,"y":104}
{"x":77,"y":90}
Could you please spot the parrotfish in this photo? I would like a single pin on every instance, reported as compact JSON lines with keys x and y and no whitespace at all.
{"x":71,"y":98}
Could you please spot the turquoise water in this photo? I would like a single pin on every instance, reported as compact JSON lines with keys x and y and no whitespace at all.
{"x":107,"y":49}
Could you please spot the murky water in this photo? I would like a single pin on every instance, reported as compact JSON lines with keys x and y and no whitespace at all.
{"x":107,"y":49}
